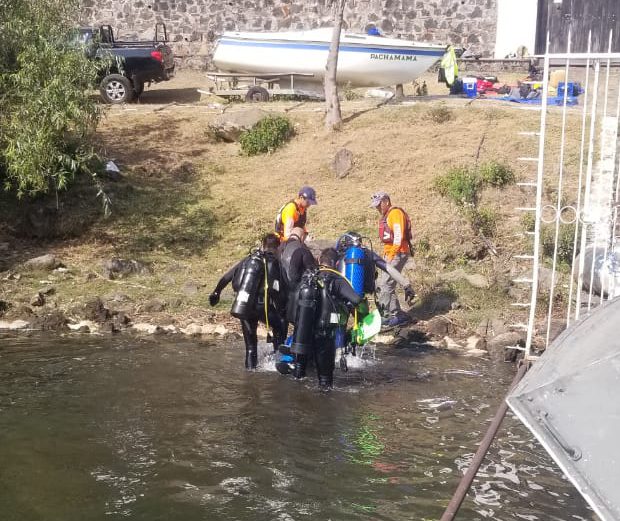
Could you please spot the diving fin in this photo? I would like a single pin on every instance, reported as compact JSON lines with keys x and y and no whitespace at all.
{"x":369,"y":327}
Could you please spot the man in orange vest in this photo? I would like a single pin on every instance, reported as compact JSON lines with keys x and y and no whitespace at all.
{"x":293,"y":214}
{"x":395,"y":234}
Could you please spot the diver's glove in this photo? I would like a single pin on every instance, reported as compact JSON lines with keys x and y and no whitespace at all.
{"x":409,"y":295}
{"x":363,"y":308}
{"x":214,"y":298}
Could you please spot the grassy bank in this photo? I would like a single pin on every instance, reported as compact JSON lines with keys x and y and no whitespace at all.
{"x":191,"y":207}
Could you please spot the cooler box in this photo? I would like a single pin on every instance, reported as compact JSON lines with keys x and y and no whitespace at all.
{"x":573,"y":89}
{"x":470,"y":87}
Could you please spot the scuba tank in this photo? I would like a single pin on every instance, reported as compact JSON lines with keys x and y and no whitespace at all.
{"x":330,"y":314}
{"x":305,"y":316}
{"x":244,"y":305}
{"x":354,"y":260}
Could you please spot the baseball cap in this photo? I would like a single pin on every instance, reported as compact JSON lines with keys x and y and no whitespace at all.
{"x":376,"y":198}
{"x":309,"y":193}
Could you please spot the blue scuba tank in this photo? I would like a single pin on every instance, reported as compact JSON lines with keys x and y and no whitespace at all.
{"x":354,"y":266}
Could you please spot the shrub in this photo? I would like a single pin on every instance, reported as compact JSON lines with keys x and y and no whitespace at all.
{"x":423,"y":245}
{"x":566,"y":238}
{"x":485,"y":221}
{"x":460,"y":184}
{"x":348,"y":93}
{"x":496,"y":174}
{"x":439,"y":114}
{"x":267,"y":135}
{"x":48,"y":116}
{"x":528,"y":221}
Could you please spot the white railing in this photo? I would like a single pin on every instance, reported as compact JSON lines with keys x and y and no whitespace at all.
{"x":591,"y":189}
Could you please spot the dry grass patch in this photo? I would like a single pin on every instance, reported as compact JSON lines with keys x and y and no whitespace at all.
{"x":193,"y":207}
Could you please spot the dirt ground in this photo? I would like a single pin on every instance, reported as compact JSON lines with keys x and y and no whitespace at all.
{"x":191,"y":207}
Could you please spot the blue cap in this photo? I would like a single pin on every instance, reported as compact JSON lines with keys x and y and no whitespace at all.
{"x":309,"y":193}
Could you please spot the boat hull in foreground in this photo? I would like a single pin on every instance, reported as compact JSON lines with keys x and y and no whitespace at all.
{"x":570,"y":401}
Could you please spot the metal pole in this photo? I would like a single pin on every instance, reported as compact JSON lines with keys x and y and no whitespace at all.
{"x":610,"y":199}
{"x":586,"y":195}
{"x":558,"y":206}
{"x":539,"y":193}
{"x":588,"y":203}
{"x":483,"y":448}
{"x":578,"y":223}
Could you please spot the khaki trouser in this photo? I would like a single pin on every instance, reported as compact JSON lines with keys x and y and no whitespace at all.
{"x":386,"y":286}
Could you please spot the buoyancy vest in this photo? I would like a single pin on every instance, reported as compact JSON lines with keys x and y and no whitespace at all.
{"x":299,"y":220}
{"x":269,"y":267}
{"x":332,"y":312}
{"x":275,"y":289}
{"x":386,"y":234}
{"x":286,"y":256}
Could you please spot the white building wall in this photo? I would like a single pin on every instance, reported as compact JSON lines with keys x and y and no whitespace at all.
{"x":516,"y":26}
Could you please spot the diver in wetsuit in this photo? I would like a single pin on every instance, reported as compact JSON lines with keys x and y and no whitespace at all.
{"x":295,"y":258}
{"x":322,"y":305}
{"x":259,"y":296}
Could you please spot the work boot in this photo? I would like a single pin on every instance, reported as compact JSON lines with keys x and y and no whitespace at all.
{"x":251,"y":359}
{"x":398,"y":319}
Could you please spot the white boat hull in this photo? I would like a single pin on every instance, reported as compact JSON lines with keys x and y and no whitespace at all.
{"x":363,"y":61}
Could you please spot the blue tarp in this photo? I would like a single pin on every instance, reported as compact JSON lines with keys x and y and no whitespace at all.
{"x":551,"y":100}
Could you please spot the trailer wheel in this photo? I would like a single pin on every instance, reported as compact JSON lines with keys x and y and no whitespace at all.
{"x":115,"y":89}
{"x":255,"y":94}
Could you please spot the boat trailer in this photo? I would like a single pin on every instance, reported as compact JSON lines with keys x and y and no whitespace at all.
{"x":263,"y":87}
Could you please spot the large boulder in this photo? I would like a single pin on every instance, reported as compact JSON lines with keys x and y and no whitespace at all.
{"x":192,"y":287}
{"x":153,"y":306}
{"x":502,"y":347}
{"x":342,"y":162}
{"x":230,"y":125}
{"x":44,"y":262}
{"x":95,"y":311}
{"x":52,"y":321}
{"x":473,"y":279}
{"x":119,"y":268}
{"x":439,"y":327}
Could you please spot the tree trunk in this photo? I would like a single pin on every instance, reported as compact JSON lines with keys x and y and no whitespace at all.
{"x":333,"y":117}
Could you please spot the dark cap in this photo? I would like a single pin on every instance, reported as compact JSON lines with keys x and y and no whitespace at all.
{"x":309,"y":193}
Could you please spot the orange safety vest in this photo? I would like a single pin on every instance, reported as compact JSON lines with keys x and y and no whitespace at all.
{"x":386,"y":234}
{"x":299,"y":219}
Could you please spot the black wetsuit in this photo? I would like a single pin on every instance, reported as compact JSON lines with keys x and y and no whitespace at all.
{"x":275,"y":310}
{"x":295,"y":258}
{"x":336,"y":298}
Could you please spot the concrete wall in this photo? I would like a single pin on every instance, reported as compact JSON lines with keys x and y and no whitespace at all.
{"x":194,"y":24}
{"x":516,"y":26}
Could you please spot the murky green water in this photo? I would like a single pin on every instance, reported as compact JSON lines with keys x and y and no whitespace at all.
{"x":113,"y":428}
